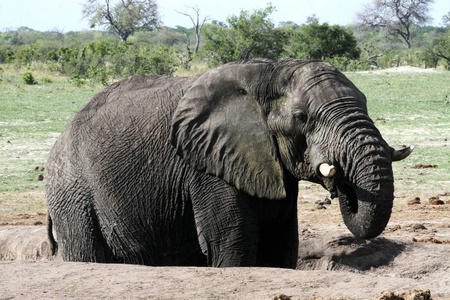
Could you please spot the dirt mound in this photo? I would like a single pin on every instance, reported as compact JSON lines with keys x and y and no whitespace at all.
{"x":347,"y":253}
{"x":25,"y":243}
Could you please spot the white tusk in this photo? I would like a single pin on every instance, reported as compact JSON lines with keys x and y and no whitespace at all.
{"x":402,"y":154}
{"x":327,"y":170}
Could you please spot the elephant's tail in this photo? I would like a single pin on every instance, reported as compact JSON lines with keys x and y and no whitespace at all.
{"x":53,"y":243}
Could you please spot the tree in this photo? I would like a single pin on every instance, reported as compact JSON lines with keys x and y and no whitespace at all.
{"x":288,"y":25}
{"x":396,"y":16}
{"x":247,"y":36}
{"x":198,"y":25}
{"x":322,"y":41}
{"x":124,"y":16}
{"x":440,"y":48}
{"x":219,"y":23}
{"x":446,"y":20}
{"x":312,"y":19}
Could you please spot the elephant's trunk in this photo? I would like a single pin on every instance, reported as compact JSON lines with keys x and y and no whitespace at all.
{"x":365,"y":185}
{"x":366,"y":199}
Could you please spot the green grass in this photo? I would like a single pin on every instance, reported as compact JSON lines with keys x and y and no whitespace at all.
{"x":411,"y":108}
{"x":31,"y":117}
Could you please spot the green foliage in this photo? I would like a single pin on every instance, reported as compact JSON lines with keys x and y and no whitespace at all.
{"x":46,"y":80}
{"x":160,"y":60}
{"x":25,"y":54}
{"x":77,"y":81}
{"x":219,"y":47}
{"x":255,"y":34}
{"x":245,"y":36}
{"x":103,"y":61}
{"x":321,"y":41}
{"x":157,"y":60}
{"x":429,"y":57}
{"x":441,"y":47}
{"x":28,"y":78}
{"x":96,"y":56}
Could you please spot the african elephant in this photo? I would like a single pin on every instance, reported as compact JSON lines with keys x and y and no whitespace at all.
{"x":204,"y":170}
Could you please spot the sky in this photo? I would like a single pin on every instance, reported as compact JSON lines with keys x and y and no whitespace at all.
{"x":65,"y":15}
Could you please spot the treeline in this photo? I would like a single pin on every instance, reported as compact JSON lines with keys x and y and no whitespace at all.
{"x":102,"y":56}
{"x":95,"y":56}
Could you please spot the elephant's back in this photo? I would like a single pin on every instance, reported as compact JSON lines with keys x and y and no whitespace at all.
{"x":134,"y":96}
{"x":121,"y":129}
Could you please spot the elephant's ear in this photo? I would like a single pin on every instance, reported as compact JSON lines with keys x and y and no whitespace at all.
{"x":219,"y":128}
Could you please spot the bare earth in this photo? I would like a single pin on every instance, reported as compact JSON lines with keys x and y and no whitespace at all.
{"x":412,"y":254}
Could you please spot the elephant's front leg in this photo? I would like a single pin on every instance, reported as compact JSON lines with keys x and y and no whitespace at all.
{"x":278,"y":242}
{"x":227,"y":223}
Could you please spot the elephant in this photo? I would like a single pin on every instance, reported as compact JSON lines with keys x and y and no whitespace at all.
{"x":204,"y":170}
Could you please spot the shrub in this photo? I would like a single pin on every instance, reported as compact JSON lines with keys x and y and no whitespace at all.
{"x":249,"y":35}
{"x":322,"y":41}
{"x":46,"y":80}
{"x":160,"y":60}
{"x":52,"y":55}
{"x":26,"y":54}
{"x":429,"y":57}
{"x":28,"y":78}
{"x":99,"y":73}
{"x":77,"y":81}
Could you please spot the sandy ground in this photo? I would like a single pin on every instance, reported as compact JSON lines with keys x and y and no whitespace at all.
{"x":412,"y":254}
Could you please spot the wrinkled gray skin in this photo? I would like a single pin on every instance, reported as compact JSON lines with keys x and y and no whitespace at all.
{"x":204,"y":170}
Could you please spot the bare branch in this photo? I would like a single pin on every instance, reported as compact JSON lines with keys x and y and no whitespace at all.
{"x":198,"y":26}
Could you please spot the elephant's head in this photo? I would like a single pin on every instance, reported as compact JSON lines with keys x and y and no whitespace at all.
{"x":251,"y":123}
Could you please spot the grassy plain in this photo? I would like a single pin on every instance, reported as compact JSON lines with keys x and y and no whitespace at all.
{"x":409,"y":108}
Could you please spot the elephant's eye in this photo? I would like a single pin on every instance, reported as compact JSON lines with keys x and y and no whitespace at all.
{"x":242,"y":91}
{"x":300,"y":116}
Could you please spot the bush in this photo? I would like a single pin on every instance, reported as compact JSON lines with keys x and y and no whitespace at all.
{"x":25,"y":55}
{"x":46,"y":80}
{"x":28,"y":78}
{"x":441,"y":48}
{"x":247,"y":36}
{"x":429,"y":57}
{"x":160,"y":60}
{"x":77,"y":81}
{"x":321,"y":41}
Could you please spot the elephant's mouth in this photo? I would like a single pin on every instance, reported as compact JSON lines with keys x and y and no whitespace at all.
{"x":344,"y":192}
